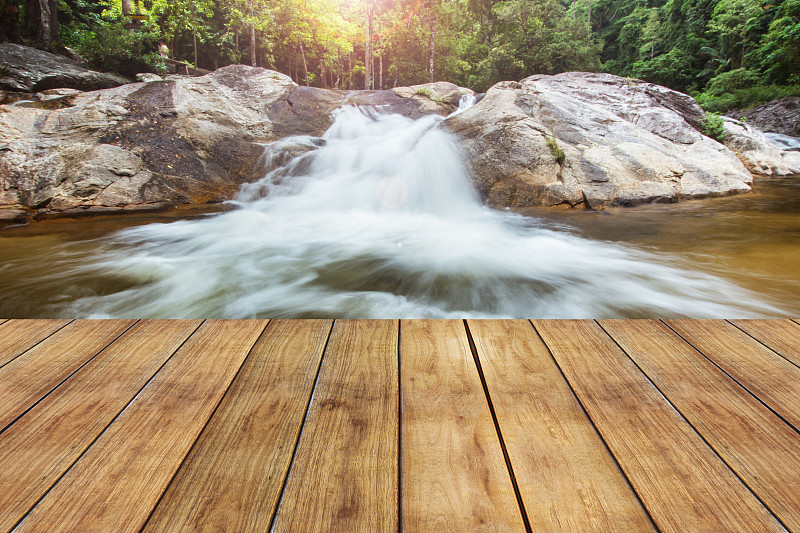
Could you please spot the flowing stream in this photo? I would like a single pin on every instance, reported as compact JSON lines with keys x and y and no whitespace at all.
{"x":376,"y":219}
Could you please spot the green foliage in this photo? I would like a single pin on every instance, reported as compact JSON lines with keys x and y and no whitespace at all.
{"x":745,"y":98}
{"x":779,"y":52}
{"x":556,"y":150}
{"x":111,"y":47}
{"x":737,"y":51}
{"x":733,"y":80}
{"x":714,"y":126}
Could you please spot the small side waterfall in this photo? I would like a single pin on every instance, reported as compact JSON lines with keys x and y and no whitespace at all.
{"x":378,"y":218}
{"x":783,"y":142}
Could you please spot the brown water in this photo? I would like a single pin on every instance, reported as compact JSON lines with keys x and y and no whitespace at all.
{"x":752,"y":240}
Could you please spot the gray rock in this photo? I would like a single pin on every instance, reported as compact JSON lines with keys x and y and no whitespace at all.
{"x":624,"y":142}
{"x":778,"y":116}
{"x":31,"y":70}
{"x":180,"y":140}
{"x":756,"y":152}
{"x":148,"y":77}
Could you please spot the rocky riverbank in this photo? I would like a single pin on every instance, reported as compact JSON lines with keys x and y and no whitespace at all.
{"x":573,"y":139}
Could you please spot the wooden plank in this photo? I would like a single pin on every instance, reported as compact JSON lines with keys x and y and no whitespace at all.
{"x":344,"y":476}
{"x":232,"y":478}
{"x":762,"y":449}
{"x":454,"y":473}
{"x":18,"y":335}
{"x":773,"y":379}
{"x":43,"y":444}
{"x":119,"y":480}
{"x":783,"y":336}
{"x":28,"y":378}
{"x":566,"y":477}
{"x":682,"y":482}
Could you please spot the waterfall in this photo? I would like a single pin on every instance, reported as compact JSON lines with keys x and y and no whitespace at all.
{"x":378,"y":218}
{"x":783,"y":142}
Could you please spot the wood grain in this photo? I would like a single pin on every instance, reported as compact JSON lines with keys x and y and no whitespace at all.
{"x":344,"y":476}
{"x":29,"y":377}
{"x":681,"y":481}
{"x":454,"y":474}
{"x":783,"y":336}
{"x":42,"y":445}
{"x":16,"y":336}
{"x":773,"y":379}
{"x":750,"y":438}
{"x":118,"y":481}
{"x":232,"y":478}
{"x":567,"y":479}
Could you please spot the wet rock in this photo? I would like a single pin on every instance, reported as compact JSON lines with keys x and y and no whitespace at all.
{"x":11,"y":216}
{"x":756,"y":152}
{"x":31,"y":70}
{"x":593,"y":140}
{"x":778,"y":116}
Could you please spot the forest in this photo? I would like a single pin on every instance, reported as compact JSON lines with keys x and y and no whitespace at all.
{"x":729,"y":54}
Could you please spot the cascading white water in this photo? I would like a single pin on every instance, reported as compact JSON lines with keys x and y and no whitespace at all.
{"x":783,"y":142}
{"x":378,"y":219}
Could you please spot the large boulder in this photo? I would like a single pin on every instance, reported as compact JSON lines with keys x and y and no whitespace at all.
{"x":141,"y":144}
{"x":592,"y":140}
{"x":30,"y":70}
{"x":758,"y":154}
{"x":778,"y":116}
{"x":183,"y":140}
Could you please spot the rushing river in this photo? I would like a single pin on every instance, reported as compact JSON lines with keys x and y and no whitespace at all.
{"x":378,"y":219}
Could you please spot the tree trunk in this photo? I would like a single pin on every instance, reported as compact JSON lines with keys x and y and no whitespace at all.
{"x":368,"y":50}
{"x":37,"y":20}
{"x":126,"y":7}
{"x":305,"y":66}
{"x":380,"y":55}
{"x":54,"y":36}
{"x":431,"y":48}
{"x":253,"y":46}
{"x":323,"y":81}
{"x":349,"y":71}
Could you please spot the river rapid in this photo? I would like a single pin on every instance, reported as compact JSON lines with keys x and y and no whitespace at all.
{"x":378,"y":219}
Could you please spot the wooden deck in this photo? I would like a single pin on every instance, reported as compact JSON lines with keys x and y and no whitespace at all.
{"x":371,"y":426}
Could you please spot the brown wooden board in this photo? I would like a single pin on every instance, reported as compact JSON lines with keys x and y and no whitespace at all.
{"x":119,"y":480}
{"x":567,"y":479}
{"x":37,"y":449}
{"x":770,"y":377}
{"x":760,"y":447}
{"x":783,"y":336}
{"x":232,"y":478}
{"x":454,"y":473}
{"x":681,"y":481}
{"x":344,"y":475}
{"x":18,"y":335}
{"x":29,"y":377}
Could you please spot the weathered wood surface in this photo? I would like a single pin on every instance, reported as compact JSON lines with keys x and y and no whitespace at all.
{"x":750,"y":438}
{"x":29,"y":377}
{"x":679,"y":478}
{"x":454,"y":474}
{"x":772,"y":378}
{"x":37,"y":450}
{"x":121,"y":477}
{"x":344,"y":476}
{"x":783,"y":336}
{"x":412,"y":425}
{"x":243,"y":454}
{"x":16,"y":336}
{"x":567,"y":479}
